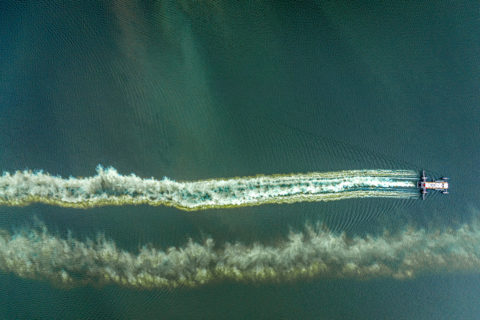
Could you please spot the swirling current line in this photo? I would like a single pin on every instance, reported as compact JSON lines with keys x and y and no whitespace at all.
{"x":68,"y":262}
{"x":109,"y":187}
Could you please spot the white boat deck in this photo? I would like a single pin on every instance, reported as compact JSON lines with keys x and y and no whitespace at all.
{"x":436,"y":185}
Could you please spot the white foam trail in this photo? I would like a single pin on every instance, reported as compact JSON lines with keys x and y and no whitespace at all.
{"x":108,"y":187}
{"x":37,"y":254}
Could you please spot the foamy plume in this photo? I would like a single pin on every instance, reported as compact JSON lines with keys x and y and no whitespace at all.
{"x":37,"y":254}
{"x":109,"y":187}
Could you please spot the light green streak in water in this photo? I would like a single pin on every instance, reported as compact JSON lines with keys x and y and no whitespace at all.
{"x":37,"y":254}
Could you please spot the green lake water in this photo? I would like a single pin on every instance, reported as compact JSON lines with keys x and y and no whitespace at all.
{"x":209,"y":89}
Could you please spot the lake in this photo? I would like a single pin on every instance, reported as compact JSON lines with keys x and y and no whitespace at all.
{"x":197,"y":90}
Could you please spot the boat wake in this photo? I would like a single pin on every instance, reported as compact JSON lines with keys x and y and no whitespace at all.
{"x":109,"y":187}
{"x":314,"y":253}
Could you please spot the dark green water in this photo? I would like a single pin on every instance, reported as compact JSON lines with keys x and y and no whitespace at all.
{"x":195,"y":90}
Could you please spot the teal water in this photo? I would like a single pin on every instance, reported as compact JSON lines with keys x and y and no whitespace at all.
{"x":198,"y":90}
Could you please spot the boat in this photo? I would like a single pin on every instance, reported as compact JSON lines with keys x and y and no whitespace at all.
{"x":425,"y":184}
